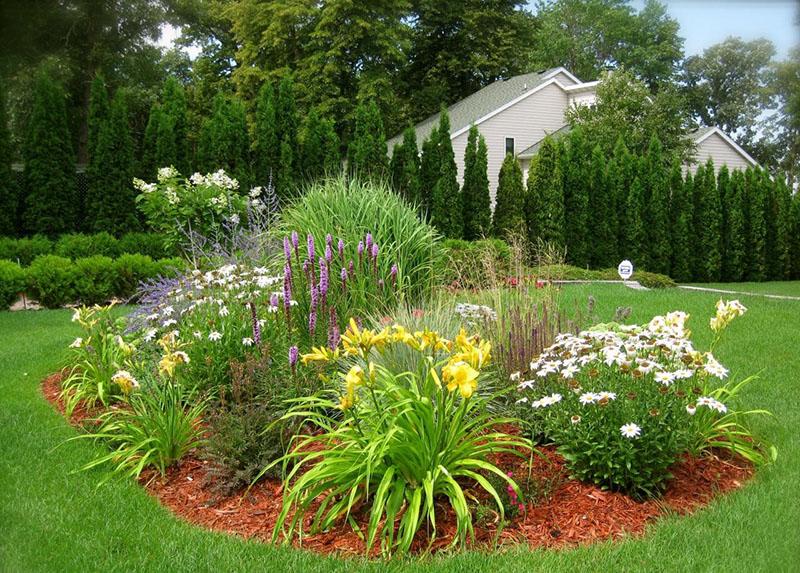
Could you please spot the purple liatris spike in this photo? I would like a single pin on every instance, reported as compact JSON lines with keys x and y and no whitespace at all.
{"x":343,"y":275}
{"x":295,"y":240}
{"x":328,"y":253}
{"x":369,"y":241}
{"x":287,"y":290}
{"x":311,"y":251}
{"x":333,"y":330}
{"x":256,"y":325}
{"x":306,"y":267}
{"x":374,"y":252}
{"x":287,"y":249}
{"x":393,"y":274}
{"x":294,"y":352}
{"x":360,"y":250}
{"x":314,"y":297}
{"x":323,"y":279}
{"x":328,"y":240}
{"x":341,"y":248}
{"x":312,"y":321}
{"x":273,"y":300}
{"x":352,"y":268}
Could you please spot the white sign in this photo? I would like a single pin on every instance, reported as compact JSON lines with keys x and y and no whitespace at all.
{"x":625,"y":269}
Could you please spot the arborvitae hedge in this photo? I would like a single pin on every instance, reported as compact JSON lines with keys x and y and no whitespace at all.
{"x":657,"y":214}
{"x":576,"y":198}
{"x":429,"y":171}
{"x":405,"y":167}
{"x":8,"y":190}
{"x":680,"y":217}
{"x":224,"y":142}
{"x":447,"y":207}
{"x":320,"y":147}
{"x":266,"y":149}
{"x":633,"y":222}
{"x":510,"y":200}
{"x":367,"y":153}
{"x":110,"y":202}
{"x":601,"y":247}
{"x":51,"y":200}
{"x":477,"y":203}
{"x":175,"y":109}
{"x":545,"y":210}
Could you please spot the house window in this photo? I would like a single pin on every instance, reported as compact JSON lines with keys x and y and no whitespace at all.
{"x":509,"y":145}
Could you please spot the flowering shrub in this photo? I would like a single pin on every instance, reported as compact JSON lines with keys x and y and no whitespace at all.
{"x":623,"y":402}
{"x":401,"y":441}
{"x":100,"y":360}
{"x":202,"y":203}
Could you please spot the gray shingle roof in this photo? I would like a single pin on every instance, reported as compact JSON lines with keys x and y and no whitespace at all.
{"x":700,"y":132}
{"x":534,"y":149}
{"x":470,"y":109}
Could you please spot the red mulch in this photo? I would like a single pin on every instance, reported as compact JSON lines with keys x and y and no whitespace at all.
{"x":568,"y":512}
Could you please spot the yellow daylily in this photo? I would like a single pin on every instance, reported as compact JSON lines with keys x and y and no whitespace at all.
{"x":169,"y":361}
{"x":462,"y":376}
{"x":320,"y":354}
{"x":431,"y":339}
{"x":355,"y":377}
{"x":402,"y":335}
{"x":476,"y":356}
{"x":360,"y":341}
{"x":346,"y":402}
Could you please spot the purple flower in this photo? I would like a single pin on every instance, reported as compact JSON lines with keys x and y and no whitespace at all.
{"x":369,"y":241}
{"x":306,"y":267}
{"x":341,"y":248}
{"x":273,"y":300}
{"x":314,"y":297}
{"x":352,"y":268}
{"x":287,"y":287}
{"x":295,"y":240}
{"x":323,"y":279}
{"x":393,"y":274}
{"x":328,"y":240}
{"x":287,"y":249}
{"x":256,"y":325}
{"x":360,"y":249}
{"x":328,"y":253}
{"x":311,"y":251}
{"x":294,"y":352}
{"x":374,"y":250}
{"x":333,"y":330}
{"x":343,"y":275}
{"x":312,"y":322}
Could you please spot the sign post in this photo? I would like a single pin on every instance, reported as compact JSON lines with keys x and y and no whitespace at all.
{"x":625,"y":269}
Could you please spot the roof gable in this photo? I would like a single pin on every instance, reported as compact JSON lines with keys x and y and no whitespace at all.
{"x":703,"y":133}
{"x":486,"y":102}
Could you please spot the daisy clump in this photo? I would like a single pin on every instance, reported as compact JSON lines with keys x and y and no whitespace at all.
{"x":624,"y":402}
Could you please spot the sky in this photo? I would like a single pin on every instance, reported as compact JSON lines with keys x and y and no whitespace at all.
{"x":703,"y":22}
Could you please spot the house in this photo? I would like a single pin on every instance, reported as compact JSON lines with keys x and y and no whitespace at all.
{"x":712,"y":142}
{"x":515,"y":115}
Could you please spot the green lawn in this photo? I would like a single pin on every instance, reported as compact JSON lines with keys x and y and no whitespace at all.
{"x":54,"y":520}
{"x":784,"y":288}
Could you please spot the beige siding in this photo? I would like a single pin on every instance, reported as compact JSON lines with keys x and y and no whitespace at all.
{"x":527,"y":122}
{"x":721,"y":152}
{"x":564,"y":79}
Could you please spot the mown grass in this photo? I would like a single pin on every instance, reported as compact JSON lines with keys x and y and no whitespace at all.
{"x":52,"y":519}
{"x":785,"y":288}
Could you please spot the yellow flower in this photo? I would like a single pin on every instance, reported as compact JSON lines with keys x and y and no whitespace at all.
{"x":167,"y":342}
{"x":372,"y":373}
{"x":346,"y":402}
{"x":435,"y":377}
{"x":402,"y":335}
{"x":431,"y":339}
{"x":361,"y":341}
{"x":355,"y":377}
{"x":320,"y":354}
{"x":169,"y":361}
{"x":462,"y":376}
{"x":125,"y":381}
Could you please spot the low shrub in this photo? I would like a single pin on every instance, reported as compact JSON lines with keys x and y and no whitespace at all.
{"x":402,"y":443}
{"x":94,"y":279}
{"x":12,"y":282}
{"x":24,"y":250}
{"x":78,"y":245}
{"x":349,"y":208}
{"x":139,"y":243}
{"x":169,"y":267}
{"x":130,"y":270}
{"x":51,"y":280}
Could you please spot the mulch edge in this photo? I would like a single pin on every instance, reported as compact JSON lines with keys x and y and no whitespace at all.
{"x":185,"y":492}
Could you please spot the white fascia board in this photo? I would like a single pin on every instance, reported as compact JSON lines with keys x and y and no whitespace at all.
{"x":727,"y":140}
{"x":581,"y":87}
{"x":505,"y":106}
{"x":562,"y":70}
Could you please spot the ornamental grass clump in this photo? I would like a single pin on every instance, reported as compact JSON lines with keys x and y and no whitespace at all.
{"x":349,"y":208}
{"x":396,"y":445}
{"x":624,"y":402}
